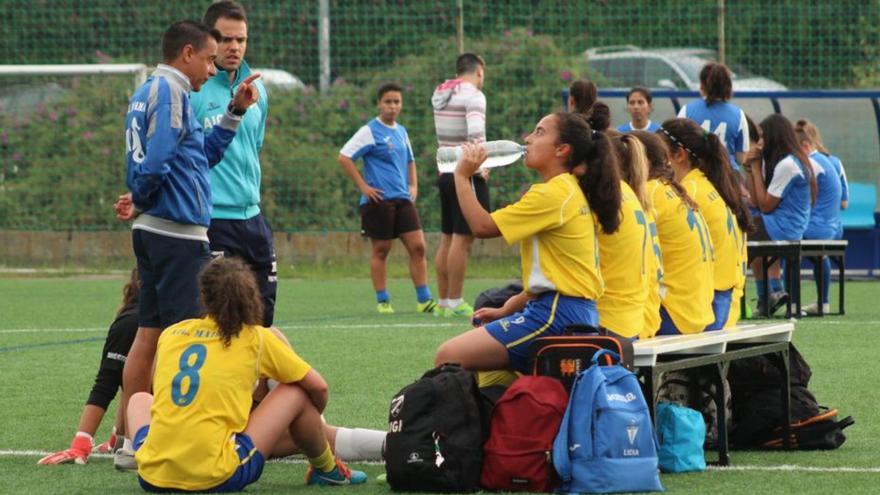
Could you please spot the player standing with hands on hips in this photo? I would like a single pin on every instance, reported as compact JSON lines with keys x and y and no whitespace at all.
{"x":168,"y":158}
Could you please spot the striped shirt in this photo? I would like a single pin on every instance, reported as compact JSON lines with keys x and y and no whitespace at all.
{"x":459,"y":113}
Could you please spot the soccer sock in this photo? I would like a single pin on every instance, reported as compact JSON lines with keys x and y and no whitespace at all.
{"x":359,"y":444}
{"x":423,"y":293}
{"x":86,"y":435}
{"x":382,"y":296}
{"x":759,"y":288}
{"x":775,"y":285}
{"x":324,"y":462}
{"x":826,"y":279}
{"x":127,"y":445}
{"x":454,"y":303}
{"x":443,"y":303}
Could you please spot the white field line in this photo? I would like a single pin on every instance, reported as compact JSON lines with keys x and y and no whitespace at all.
{"x":300,"y":460}
{"x":282,"y":327}
{"x":42,"y":453}
{"x":796,"y":468}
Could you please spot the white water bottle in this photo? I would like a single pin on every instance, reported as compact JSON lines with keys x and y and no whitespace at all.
{"x":501,"y":153}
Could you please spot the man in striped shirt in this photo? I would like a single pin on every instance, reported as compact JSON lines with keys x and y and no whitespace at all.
{"x":459,"y":117}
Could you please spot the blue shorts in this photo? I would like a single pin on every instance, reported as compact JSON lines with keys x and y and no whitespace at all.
{"x":720,"y":307}
{"x":168,"y":268}
{"x":248,"y":471}
{"x":546,"y":315}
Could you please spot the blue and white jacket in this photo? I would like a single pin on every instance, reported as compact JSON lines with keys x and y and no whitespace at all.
{"x":168,"y":157}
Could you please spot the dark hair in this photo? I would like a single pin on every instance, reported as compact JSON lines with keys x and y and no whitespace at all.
{"x":658,"y":165}
{"x":387,"y":87}
{"x":707,"y":153}
{"x":224,"y":9}
{"x":468,"y":63}
{"x":644,"y":92}
{"x":753,"y":130}
{"x":599,"y":116}
{"x":633,"y":161}
{"x":183,"y":33}
{"x":716,"y":82}
{"x":584,"y":94}
{"x":601,"y":182}
{"x":131,"y":290}
{"x":781,"y":141}
{"x":231,"y":296}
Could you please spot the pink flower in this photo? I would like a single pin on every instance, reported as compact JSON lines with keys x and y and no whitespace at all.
{"x":71,"y":111}
{"x":339,"y":81}
{"x":4,"y":138}
{"x":343,"y":104}
{"x":529,"y":32}
{"x":88,"y":135}
{"x":508,"y":33}
{"x":53,"y":116}
{"x":566,"y":75}
{"x":16,"y":156}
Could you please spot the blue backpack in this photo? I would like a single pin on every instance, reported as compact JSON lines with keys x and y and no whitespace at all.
{"x":681,"y":432}
{"x":606,"y":441}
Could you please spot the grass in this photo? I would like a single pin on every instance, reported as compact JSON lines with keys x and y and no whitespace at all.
{"x":52,"y":330}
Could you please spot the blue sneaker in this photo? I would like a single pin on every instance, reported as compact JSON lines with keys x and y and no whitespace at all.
{"x":340,"y":475}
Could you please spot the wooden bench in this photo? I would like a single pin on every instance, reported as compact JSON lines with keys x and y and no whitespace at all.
{"x":793,"y":252}
{"x":717,"y":349}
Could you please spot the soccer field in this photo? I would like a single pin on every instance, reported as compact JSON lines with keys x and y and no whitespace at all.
{"x":52,"y":330}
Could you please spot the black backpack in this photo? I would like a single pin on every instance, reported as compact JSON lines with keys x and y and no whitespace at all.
{"x":497,"y":296}
{"x":436,"y":430}
{"x":756,"y":390}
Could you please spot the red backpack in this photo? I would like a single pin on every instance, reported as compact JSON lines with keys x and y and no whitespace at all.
{"x":525,"y":421}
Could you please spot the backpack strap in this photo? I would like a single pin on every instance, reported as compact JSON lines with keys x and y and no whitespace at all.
{"x":609,"y":356}
{"x":561,"y":454}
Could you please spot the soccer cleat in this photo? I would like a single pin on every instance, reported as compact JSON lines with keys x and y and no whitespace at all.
{"x":777,"y":300}
{"x":428,"y":306}
{"x":123,"y":460}
{"x":463,"y":309}
{"x":109,"y":446}
{"x":78,"y":453}
{"x":440,"y":312}
{"x":382,"y":479}
{"x":385,"y":308}
{"x":813,"y":309}
{"x":340,"y":475}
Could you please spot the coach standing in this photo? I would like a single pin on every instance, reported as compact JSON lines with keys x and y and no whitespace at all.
{"x":168,"y":158}
{"x":459,"y":117}
{"x":237,"y":226}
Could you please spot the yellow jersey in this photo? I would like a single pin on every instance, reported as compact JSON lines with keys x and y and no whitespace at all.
{"x":723,"y":229}
{"x":557,"y":236}
{"x":202,"y":396}
{"x":624,"y":261}
{"x":655,"y":275}
{"x":686,"y":290}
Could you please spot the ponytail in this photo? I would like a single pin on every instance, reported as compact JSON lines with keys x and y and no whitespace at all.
{"x":633,"y":166}
{"x":601,"y":181}
{"x":658,"y":165}
{"x":707,"y":153}
{"x":231,"y":296}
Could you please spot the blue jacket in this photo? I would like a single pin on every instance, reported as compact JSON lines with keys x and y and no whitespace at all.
{"x":235,"y":181}
{"x":167,"y":154}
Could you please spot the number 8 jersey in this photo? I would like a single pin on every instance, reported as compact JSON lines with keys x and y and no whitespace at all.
{"x":202,"y":396}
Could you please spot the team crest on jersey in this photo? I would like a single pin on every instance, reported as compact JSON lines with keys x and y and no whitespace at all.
{"x":388,"y":142}
{"x":213,"y":106}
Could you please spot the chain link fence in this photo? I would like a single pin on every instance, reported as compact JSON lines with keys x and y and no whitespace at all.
{"x":61,"y":137}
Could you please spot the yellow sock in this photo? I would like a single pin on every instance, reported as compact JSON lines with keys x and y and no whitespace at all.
{"x":324,"y":462}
